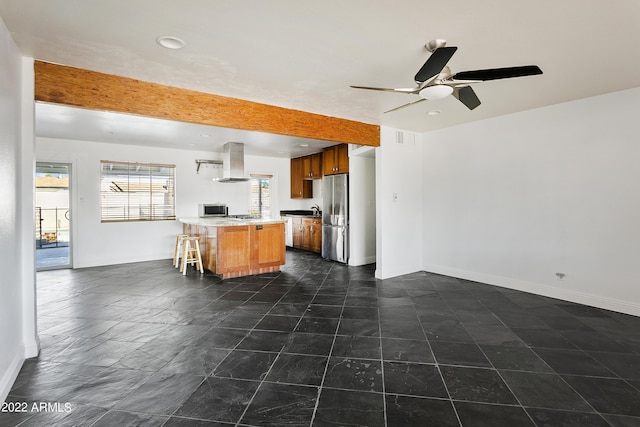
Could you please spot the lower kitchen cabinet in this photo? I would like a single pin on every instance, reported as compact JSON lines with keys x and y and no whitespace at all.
{"x":234,"y":249}
{"x":298,"y":232}
{"x":307,"y":233}
{"x":315,"y":234}
{"x":268,"y":247}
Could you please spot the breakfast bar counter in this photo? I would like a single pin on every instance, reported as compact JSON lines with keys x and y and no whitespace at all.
{"x":234,"y":247}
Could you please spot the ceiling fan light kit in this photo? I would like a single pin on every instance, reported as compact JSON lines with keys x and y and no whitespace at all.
{"x":435,"y":92}
{"x":435,"y":80}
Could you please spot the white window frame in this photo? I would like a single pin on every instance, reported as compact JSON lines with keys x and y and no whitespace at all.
{"x":132,"y":191}
{"x":258,"y":210}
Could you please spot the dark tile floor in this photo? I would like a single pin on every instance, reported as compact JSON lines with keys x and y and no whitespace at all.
{"x":319,"y":344}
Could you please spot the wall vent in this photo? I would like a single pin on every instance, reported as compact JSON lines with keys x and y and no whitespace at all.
{"x":407,"y":138}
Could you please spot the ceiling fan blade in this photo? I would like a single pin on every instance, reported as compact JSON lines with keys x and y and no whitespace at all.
{"x":384,"y":89}
{"x":467,"y":96}
{"x":498,"y":73}
{"x":435,"y":63}
{"x":405,"y":105}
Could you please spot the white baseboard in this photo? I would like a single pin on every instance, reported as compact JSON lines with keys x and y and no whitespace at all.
{"x":396,"y":271}
{"x":362,"y":261}
{"x":120,"y":260}
{"x":32,"y":348}
{"x":540,"y":289}
{"x":10,"y":375}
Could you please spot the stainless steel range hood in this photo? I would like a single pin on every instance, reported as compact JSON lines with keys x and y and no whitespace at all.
{"x":233,"y":163}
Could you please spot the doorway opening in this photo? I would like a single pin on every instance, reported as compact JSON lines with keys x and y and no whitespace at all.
{"x":53,"y":216}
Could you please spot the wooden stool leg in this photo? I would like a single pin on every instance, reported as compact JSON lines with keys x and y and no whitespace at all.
{"x":199,"y":258}
{"x":176,"y":251}
{"x":185,"y":256}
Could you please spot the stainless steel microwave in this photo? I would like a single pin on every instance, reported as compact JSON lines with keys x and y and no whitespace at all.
{"x":215,"y":209}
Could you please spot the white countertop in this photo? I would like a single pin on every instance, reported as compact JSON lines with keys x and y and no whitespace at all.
{"x":226,"y":221}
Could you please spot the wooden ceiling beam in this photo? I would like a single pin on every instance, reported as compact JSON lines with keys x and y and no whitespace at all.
{"x":76,"y":87}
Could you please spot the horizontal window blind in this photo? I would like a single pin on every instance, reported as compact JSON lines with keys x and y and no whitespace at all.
{"x":261,"y":195}
{"x":136,"y":191}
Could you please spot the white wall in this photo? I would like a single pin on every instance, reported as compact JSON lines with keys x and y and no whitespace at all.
{"x":17,"y":286}
{"x":399,"y":219}
{"x":95,"y":243}
{"x":26,"y":223}
{"x":516,"y":199}
{"x":362,"y":209}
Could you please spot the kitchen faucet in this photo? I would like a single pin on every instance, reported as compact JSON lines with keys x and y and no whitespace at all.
{"x":316,"y":208}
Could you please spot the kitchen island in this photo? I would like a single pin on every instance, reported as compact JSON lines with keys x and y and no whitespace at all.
{"x":234,"y":247}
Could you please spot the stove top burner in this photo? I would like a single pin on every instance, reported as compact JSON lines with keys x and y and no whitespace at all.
{"x":244,"y":216}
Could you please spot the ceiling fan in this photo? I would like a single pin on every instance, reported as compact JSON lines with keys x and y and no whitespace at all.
{"x":435,"y":80}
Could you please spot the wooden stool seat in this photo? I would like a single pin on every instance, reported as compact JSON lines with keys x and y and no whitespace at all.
{"x":191,"y":254}
{"x":178,"y":249}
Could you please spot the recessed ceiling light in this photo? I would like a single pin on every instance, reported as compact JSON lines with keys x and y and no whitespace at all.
{"x":434,"y":112}
{"x":170,"y":42}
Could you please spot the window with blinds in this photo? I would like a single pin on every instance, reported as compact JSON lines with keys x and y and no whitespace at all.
{"x":261,"y":195}
{"x":136,"y":191}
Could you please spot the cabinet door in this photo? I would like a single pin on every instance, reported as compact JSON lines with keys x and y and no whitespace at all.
{"x":316,"y":165}
{"x":211,"y":253}
{"x":297,"y":232}
{"x":300,"y":188}
{"x":328,"y":160}
{"x":296,"y":178}
{"x":270,"y":239}
{"x":306,"y":237}
{"x":342,"y":158}
{"x":306,"y":167}
{"x":335,"y":159}
{"x":315,"y":231}
{"x":234,"y":249}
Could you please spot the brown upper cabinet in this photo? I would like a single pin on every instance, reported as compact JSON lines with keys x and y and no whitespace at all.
{"x":312,"y":166}
{"x":335,"y":159}
{"x":301,"y":188}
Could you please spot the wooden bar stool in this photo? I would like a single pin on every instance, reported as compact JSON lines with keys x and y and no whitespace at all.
{"x":191,"y":254}
{"x":178,"y":249}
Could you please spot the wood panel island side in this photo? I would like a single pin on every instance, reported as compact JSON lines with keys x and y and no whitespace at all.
{"x":238,"y":247}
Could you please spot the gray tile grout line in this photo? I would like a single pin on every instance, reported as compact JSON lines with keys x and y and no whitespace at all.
{"x":209,"y":375}
{"x":384,"y":387}
{"x":532,"y":349}
{"x":493,"y":366}
{"x":437,"y":364}
{"x":506,"y":383}
{"x":278,"y":354}
{"x":333,"y":343}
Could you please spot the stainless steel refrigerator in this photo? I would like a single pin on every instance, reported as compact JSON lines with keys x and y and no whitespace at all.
{"x":335,"y":217}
